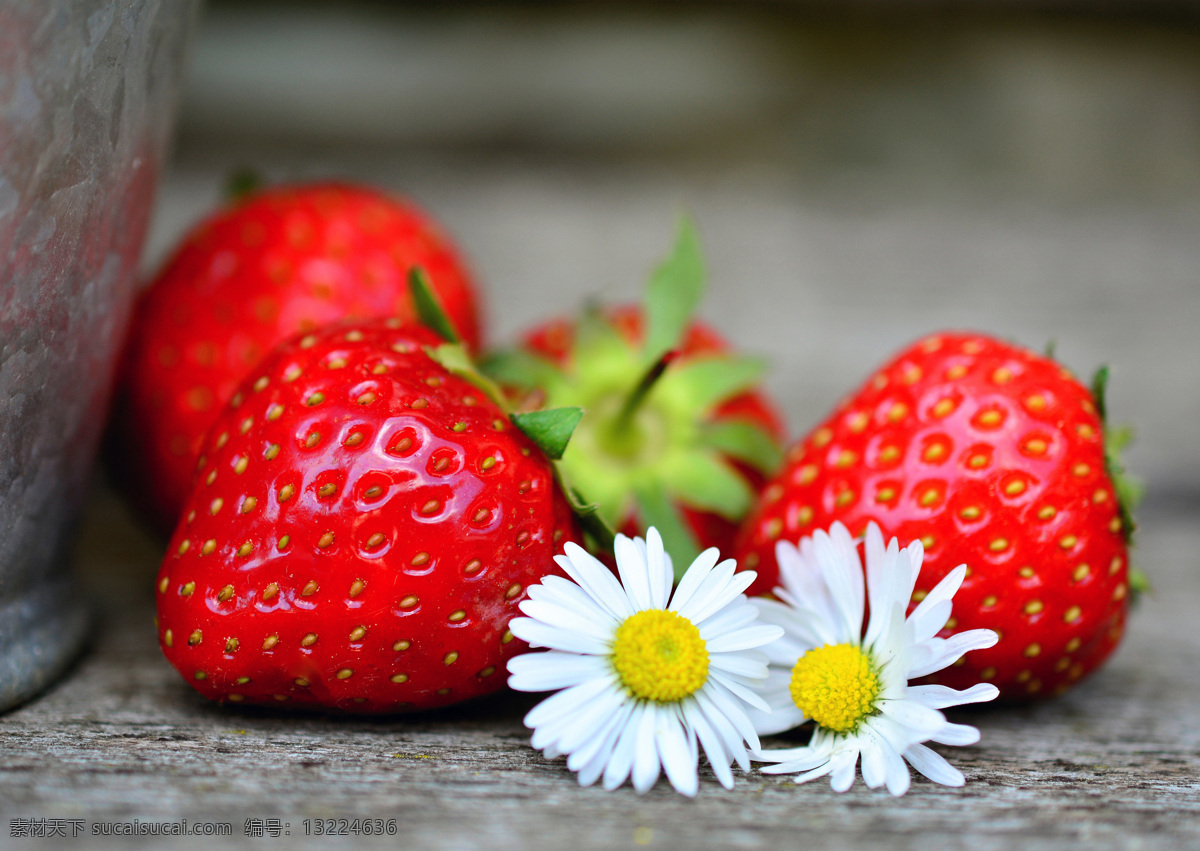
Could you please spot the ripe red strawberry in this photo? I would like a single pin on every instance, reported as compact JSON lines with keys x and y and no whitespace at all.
{"x":675,"y":433}
{"x":286,"y":260}
{"x":992,"y":456}
{"x":362,"y":528}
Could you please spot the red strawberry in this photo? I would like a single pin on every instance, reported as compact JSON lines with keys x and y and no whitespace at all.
{"x":992,"y":456}
{"x":286,"y":260}
{"x":674,"y":434}
{"x":363,"y":526}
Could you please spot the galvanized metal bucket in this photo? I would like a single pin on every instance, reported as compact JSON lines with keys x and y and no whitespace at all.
{"x":87,"y":93}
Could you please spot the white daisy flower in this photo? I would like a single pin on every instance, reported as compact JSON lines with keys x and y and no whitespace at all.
{"x":854,"y":685}
{"x":647,"y":678}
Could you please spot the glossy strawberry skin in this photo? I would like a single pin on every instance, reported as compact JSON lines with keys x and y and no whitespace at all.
{"x":362,"y":528}
{"x":993,"y":456}
{"x":286,"y":260}
{"x":553,"y":340}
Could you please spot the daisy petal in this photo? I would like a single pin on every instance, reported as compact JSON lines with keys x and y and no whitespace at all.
{"x":720,"y":589}
{"x":814,"y":773}
{"x":844,"y":580}
{"x":842,"y":765}
{"x":590,"y":771}
{"x":898,"y":778}
{"x":929,"y":622}
{"x":881,"y":564}
{"x":727,"y":620}
{"x":801,"y":625}
{"x":594,"y":755}
{"x":895,"y":734}
{"x":941,"y":652}
{"x":956,"y":734}
{"x":945,"y":589}
{"x":729,"y":722}
{"x":745,"y":639}
{"x":783,"y":716}
{"x":678,"y":759}
{"x":940,"y":697}
{"x":710,"y":741}
{"x":802,"y":581}
{"x":694,"y":577}
{"x":564,"y":592}
{"x":745,"y":693}
{"x":549,"y":736}
{"x":874,"y":763}
{"x":564,"y":703}
{"x":594,"y":578}
{"x":933,"y":766}
{"x":920,"y":721}
{"x":591,"y":721}
{"x":621,"y":762}
{"x":551,"y":670}
{"x":659,"y":568}
{"x":632,"y":568}
{"x":739,"y":664}
{"x":538,"y":634}
{"x":562,"y":617}
{"x":646,"y":765}
{"x":790,"y":760}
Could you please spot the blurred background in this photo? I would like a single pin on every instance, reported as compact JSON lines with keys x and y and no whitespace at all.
{"x":862,"y":173}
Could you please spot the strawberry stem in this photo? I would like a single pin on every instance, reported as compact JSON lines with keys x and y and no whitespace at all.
{"x":623,"y":422}
{"x":593,"y":525}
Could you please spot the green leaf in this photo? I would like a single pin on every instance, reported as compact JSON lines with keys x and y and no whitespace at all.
{"x":674,"y":292}
{"x":597,"y":343}
{"x":709,"y":484}
{"x":1139,"y":585}
{"x":1116,"y":440}
{"x":706,"y":382}
{"x":1128,"y":488}
{"x":519,"y":368}
{"x":454,"y":359}
{"x":242,"y":184}
{"x":429,"y":309}
{"x":745,"y":442}
{"x":551,"y":429}
{"x":655,"y":509}
{"x":1099,"y":390}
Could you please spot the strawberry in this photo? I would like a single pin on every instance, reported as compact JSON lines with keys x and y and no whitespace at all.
{"x":992,"y":456}
{"x":363,"y":526}
{"x":286,"y":260}
{"x":675,"y":434}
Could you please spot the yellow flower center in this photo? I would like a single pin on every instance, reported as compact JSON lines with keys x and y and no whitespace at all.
{"x":836,"y":686}
{"x":660,"y":656}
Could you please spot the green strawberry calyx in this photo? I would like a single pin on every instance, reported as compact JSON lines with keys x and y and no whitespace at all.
{"x":649,"y":441}
{"x":1129,"y":489}
{"x":550,"y":429}
{"x":242,"y":183}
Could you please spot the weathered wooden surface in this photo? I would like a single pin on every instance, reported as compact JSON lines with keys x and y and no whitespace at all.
{"x":1039,"y":181}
